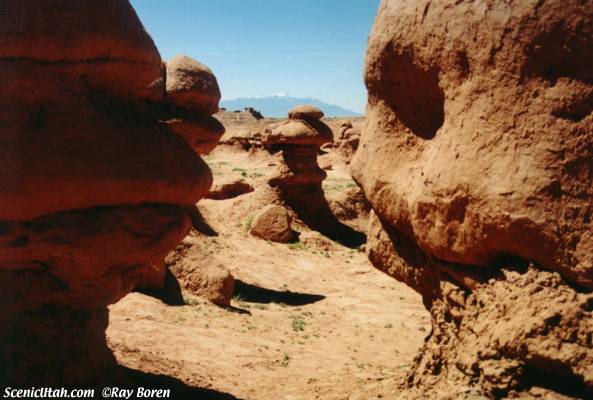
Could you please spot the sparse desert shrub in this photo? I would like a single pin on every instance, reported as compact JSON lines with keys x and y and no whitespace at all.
{"x":298,"y":325}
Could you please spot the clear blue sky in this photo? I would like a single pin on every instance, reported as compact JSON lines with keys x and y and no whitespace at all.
{"x":307,"y":48}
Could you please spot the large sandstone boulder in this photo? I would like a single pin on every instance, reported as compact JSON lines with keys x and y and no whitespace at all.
{"x":93,"y":186}
{"x":122,"y":60}
{"x":201,"y":274}
{"x":192,"y":85}
{"x":272,"y":223}
{"x":476,"y":157}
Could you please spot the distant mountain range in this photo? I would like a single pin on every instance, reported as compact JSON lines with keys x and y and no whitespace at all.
{"x":277,"y":106}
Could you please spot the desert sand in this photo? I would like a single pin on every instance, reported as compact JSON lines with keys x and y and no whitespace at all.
{"x":308,"y":320}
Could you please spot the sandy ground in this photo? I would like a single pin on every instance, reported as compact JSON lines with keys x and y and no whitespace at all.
{"x":309,"y":320}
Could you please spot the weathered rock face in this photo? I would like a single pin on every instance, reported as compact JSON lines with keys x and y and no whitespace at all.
{"x":477,"y":155}
{"x":344,"y":127}
{"x":498,"y":339}
{"x":93,"y":186}
{"x":99,"y":59}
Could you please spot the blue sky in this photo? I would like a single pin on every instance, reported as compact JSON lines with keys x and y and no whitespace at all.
{"x":306,"y":48}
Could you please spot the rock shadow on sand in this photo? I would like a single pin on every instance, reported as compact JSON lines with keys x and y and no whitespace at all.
{"x":133,"y":379}
{"x":256,"y":294}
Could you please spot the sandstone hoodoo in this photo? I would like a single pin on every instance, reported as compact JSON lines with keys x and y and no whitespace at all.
{"x":272,"y":223}
{"x":94,"y":186}
{"x":296,"y":144}
{"x":477,"y":161}
{"x":298,"y":177}
{"x":191,"y":96}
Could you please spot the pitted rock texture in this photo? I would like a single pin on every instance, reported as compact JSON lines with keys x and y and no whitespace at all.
{"x":449,"y":159}
{"x":94,"y":186}
{"x":477,"y":155}
{"x":495,"y":340}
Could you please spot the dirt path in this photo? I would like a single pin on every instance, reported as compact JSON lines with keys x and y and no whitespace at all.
{"x":309,"y":321}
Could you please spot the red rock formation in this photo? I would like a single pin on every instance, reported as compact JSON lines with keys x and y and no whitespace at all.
{"x":200,"y":273}
{"x":93,"y":186}
{"x":191,"y":98}
{"x":477,"y":161}
{"x":229,"y":188}
{"x":296,"y":144}
{"x":349,"y":139}
{"x":305,"y":112}
{"x":298,"y":177}
{"x":272,"y":223}
{"x":191,"y":85}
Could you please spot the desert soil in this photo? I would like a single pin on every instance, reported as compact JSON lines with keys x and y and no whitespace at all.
{"x":309,"y":320}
